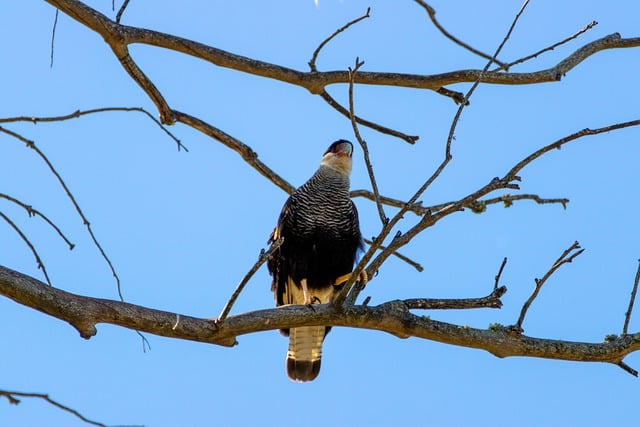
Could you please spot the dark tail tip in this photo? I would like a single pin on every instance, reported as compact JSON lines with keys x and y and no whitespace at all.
{"x":303,"y":370}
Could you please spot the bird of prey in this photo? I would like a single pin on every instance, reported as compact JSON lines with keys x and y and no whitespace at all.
{"x":319,"y":224}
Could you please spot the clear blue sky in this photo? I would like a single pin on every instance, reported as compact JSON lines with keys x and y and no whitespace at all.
{"x":183,"y":228}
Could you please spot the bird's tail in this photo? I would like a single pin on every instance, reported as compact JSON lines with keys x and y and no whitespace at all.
{"x":305,"y":352}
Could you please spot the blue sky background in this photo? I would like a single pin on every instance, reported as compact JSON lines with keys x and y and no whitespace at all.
{"x":183,"y":228}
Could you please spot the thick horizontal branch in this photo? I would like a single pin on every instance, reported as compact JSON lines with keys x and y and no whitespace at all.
{"x":121,"y":35}
{"x":393,"y":317}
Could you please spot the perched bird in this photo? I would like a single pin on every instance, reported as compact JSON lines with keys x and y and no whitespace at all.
{"x":319,"y":223}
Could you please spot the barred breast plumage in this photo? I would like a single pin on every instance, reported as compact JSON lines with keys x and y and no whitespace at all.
{"x":319,"y":223}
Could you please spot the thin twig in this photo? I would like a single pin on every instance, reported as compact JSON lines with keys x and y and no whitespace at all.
{"x":547,"y":49}
{"x":79,"y":113}
{"x":567,"y":256}
{"x":513,"y":173}
{"x":627,"y":368}
{"x":31,"y":144}
{"x":244,"y":150}
{"x":404,"y":258}
{"x":53,"y":36}
{"x":411,"y":139}
{"x":25,"y":239}
{"x":471,"y":90}
{"x":31,"y":211}
{"x":415,"y":208}
{"x":314,"y":57}
{"x":432,"y":15}
{"x":121,"y":11}
{"x":11,"y":396}
{"x":264,"y":256}
{"x":363,"y":144}
{"x":631,"y":301}
{"x":497,"y":278}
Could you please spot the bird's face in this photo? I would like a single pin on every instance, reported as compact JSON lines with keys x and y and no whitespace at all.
{"x":338,"y":156}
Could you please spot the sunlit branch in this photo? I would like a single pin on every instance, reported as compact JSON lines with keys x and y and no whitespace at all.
{"x":118,"y":36}
{"x":393,"y":317}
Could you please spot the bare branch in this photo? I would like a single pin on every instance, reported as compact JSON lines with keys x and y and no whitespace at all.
{"x":547,"y":49}
{"x":411,"y":139}
{"x":513,"y":173}
{"x":12,"y":396}
{"x":393,"y":317}
{"x":398,"y":255}
{"x":567,"y":256}
{"x":264,"y":256}
{"x":627,"y":316}
{"x":26,"y":240}
{"x":53,"y":37}
{"x":497,"y":278}
{"x":416,"y":208}
{"x":627,"y":368}
{"x":245,"y":151}
{"x":79,"y":113}
{"x":31,"y":144}
{"x":31,"y":211}
{"x":117,"y":36}
{"x":363,"y":144}
{"x":125,"y":3}
{"x":432,"y":15}
{"x":314,"y":57}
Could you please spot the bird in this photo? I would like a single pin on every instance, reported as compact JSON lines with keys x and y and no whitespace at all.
{"x":321,"y":238}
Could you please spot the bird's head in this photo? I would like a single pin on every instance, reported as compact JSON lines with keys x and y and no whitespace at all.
{"x":338,"y":156}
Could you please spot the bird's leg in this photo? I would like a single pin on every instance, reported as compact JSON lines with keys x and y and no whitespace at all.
{"x":308,"y":299}
{"x":364,"y":277}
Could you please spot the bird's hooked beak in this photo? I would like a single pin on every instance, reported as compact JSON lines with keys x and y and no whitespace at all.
{"x":345,"y":148}
{"x":338,"y":156}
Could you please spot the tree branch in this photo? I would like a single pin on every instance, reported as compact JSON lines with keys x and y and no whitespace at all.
{"x":432,"y":16}
{"x":118,"y":36}
{"x":632,"y":299}
{"x":393,"y":317}
{"x":365,"y":149}
{"x":12,"y":397}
